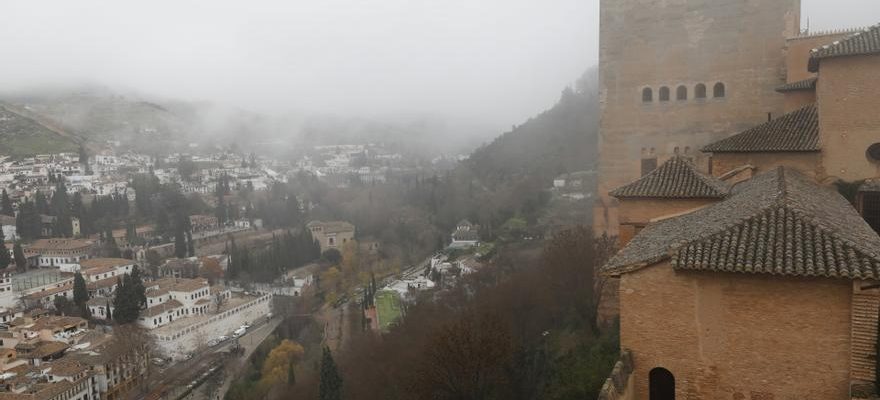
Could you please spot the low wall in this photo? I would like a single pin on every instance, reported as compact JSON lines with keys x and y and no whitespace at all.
{"x":191,"y":337}
{"x":619,"y":386}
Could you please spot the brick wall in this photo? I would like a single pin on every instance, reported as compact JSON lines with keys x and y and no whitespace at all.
{"x":683,"y":42}
{"x":805,"y":162}
{"x":797,"y":53}
{"x":849,"y":120}
{"x":865,"y":308}
{"x":636,"y":213}
{"x":798,"y":99}
{"x":732,"y":336}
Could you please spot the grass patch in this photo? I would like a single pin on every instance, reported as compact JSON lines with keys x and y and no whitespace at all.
{"x":387,"y":308}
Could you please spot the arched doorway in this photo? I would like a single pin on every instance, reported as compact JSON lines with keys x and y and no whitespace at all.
{"x":661,"y":384}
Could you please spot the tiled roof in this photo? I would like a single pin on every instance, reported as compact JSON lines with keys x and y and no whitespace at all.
{"x":45,"y":349}
{"x":806,"y":84}
{"x":49,"y":292}
{"x":793,"y":132}
{"x":55,"y":322}
{"x":169,"y":305}
{"x":103,"y":283}
{"x":870,"y":185}
{"x":104,"y":263}
{"x":676,"y":178}
{"x":61,"y":244}
{"x":333,"y":226}
{"x":778,"y":223}
{"x":859,"y":43}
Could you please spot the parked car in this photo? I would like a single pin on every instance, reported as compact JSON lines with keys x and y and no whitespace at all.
{"x":223,"y":338}
{"x":213,"y":342}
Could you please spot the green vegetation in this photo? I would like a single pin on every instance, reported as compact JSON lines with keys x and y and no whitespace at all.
{"x":388,"y":308}
{"x":130,"y":297}
{"x":21,"y":136}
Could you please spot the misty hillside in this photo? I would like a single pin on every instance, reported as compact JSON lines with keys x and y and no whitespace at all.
{"x":155,"y":126}
{"x":561,"y":139}
{"x":23,"y":134}
{"x":97,"y":115}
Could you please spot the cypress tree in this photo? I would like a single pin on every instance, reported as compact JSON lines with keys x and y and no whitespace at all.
{"x":125,"y":302}
{"x":138,"y":290}
{"x":41,"y":203}
{"x":330,"y":387}
{"x":80,"y":293}
{"x":6,"y":204}
{"x":291,"y":374}
{"x":110,"y":247}
{"x":190,"y":245}
{"x":5,"y":258}
{"x":109,"y":313}
{"x":180,"y":243}
{"x":20,"y":259}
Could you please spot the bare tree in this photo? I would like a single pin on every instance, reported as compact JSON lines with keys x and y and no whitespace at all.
{"x":134,"y":346}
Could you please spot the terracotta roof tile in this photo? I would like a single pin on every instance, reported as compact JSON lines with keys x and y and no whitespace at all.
{"x":860,"y":43}
{"x":793,"y":132}
{"x":676,"y":178}
{"x":778,"y":223}
{"x":806,"y":84}
{"x":169,"y":305}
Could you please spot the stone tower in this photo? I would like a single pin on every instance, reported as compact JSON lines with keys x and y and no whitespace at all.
{"x":678,"y":74}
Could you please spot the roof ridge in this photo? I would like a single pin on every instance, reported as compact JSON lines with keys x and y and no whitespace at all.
{"x":678,"y":174}
{"x":794,"y":131}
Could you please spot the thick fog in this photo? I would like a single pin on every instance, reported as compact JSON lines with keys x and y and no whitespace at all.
{"x":495,"y":61}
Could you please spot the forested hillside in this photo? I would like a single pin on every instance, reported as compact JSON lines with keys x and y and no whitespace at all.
{"x":561,"y":139}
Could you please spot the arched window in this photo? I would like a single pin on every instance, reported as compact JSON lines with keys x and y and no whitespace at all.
{"x":661,"y":384}
{"x":718,"y":90}
{"x":664,"y":93}
{"x":681,"y":93}
{"x":700,"y":91}
{"x":647,"y":95}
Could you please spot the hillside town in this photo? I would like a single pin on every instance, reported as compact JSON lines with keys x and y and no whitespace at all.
{"x":696,"y":215}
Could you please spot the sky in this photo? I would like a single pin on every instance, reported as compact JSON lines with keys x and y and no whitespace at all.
{"x":496,"y":61}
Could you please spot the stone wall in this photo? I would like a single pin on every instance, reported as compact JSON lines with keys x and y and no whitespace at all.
{"x":736,"y":336}
{"x":849,"y":120}
{"x":683,"y":43}
{"x":619,"y":386}
{"x":191,"y":337}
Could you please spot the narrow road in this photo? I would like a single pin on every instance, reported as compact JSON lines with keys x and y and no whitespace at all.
{"x":171,"y":382}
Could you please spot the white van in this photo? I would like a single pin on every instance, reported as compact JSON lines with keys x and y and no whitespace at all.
{"x":238,"y":332}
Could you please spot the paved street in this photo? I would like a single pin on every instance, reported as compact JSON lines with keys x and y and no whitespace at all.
{"x":173,"y":381}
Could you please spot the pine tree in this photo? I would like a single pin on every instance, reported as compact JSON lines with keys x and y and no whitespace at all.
{"x":80,"y":293}
{"x":330,"y":387}
{"x":20,"y":259}
{"x":6,"y":204}
{"x":5,"y":258}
